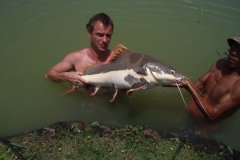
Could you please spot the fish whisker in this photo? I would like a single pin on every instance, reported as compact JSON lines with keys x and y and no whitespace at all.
{"x":181,"y":94}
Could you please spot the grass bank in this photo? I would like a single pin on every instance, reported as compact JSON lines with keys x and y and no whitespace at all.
{"x":90,"y":141}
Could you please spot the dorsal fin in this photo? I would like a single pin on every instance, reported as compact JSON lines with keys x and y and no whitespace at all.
{"x":119,"y":50}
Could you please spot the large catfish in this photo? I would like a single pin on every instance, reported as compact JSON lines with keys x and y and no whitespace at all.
{"x":131,"y":71}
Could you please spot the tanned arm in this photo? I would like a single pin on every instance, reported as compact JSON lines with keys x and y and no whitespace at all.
{"x":228,"y":102}
{"x":65,"y":71}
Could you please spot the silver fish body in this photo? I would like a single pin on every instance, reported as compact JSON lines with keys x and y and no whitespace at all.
{"x":133,"y":71}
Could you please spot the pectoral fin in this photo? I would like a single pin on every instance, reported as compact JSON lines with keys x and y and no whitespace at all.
{"x":141,"y":85}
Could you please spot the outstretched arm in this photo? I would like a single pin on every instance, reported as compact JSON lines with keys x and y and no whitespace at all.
{"x":229,"y":101}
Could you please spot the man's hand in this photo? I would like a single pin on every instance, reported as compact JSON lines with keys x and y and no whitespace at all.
{"x":75,"y":78}
{"x":182,"y":83}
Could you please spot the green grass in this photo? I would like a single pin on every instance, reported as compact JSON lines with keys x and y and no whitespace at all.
{"x":93,"y":141}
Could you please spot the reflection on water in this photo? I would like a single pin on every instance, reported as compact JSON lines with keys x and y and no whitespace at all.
{"x":188,"y":34}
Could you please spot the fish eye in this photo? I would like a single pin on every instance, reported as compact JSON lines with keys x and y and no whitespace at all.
{"x":172,"y":71}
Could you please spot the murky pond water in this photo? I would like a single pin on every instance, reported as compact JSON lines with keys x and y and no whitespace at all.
{"x":34,"y":35}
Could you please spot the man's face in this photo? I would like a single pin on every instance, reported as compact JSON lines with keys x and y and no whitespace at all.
{"x":234,"y":56}
{"x":101,"y":36}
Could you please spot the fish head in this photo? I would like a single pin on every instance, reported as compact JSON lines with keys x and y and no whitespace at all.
{"x":164,"y":74}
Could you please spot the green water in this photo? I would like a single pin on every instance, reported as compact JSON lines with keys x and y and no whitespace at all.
{"x":34,"y":35}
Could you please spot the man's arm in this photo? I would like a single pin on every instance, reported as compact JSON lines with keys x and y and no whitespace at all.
{"x":65,"y":71}
{"x":227,"y":102}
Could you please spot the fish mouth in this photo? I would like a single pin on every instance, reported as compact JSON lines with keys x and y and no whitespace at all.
{"x":178,"y":82}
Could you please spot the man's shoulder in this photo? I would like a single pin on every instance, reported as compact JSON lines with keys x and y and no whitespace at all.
{"x":78,"y":53}
{"x":75,"y":55}
{"x":221,"y":63}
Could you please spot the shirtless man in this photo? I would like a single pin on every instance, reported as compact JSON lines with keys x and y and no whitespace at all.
{"x":100,"y":28}
{"x":217,"y":92}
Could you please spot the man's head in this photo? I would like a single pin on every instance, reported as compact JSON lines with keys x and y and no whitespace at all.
{"x":234,"y":52}
{"x":100,"y":28}
{"x":102,"y":17}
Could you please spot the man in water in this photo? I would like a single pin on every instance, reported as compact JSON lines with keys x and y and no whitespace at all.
{"x":217,"y":92}
{"x":100,"y":28}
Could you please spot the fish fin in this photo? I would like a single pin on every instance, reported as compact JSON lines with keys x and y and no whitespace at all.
{"x":119,"y":50}
{"x":96,"y":89}
{"x":114,"y":95}
{"x":141,"y":85}
{"x":71,"y":90}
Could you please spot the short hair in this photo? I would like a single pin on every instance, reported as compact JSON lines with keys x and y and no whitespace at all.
{"x":102,"y":17}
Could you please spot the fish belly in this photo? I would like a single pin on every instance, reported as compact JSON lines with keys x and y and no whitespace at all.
{"x":116,"y":79}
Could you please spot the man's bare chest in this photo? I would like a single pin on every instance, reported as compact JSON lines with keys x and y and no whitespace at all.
{"x":219,"y":84}
{"x":85,"y":62}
